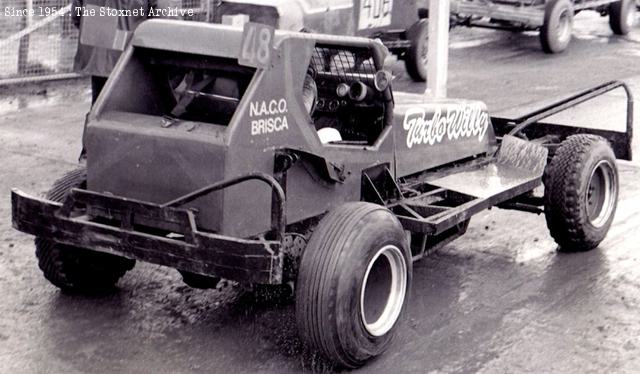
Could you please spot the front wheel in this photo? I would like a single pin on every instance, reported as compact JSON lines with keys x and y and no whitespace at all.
{"x":353,"y":282}
{"x":581,"y":192}
{"x":622,"y":16}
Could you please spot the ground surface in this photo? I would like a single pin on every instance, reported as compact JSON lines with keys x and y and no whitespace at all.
{"x":499,"y":300}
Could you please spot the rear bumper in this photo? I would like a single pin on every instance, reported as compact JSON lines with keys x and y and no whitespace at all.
{"x":139,"y":230}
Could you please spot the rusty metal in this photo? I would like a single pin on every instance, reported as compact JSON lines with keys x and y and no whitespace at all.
{"x":134,"y":236}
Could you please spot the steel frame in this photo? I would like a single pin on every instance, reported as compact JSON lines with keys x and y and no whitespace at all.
{"x":158,"y":233}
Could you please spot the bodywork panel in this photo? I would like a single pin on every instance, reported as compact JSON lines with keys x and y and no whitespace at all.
{"x":434,"y":133}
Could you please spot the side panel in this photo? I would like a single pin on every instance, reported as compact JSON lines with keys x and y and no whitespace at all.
{"x":275,"y":97}
{"x":431,"y":134}
{"x":271,"y":117}
{"x":309,"y":195}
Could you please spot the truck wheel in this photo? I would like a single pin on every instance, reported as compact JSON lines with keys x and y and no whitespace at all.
{"x":353,"y":282}
{"x":556,"y":30}
{"x":622,"y":16}
{"x":73,"y":269}
{"x":415,"y":59}
{"x":581,"y":192}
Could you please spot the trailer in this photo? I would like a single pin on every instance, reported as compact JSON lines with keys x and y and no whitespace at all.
{"x":552,"y":18}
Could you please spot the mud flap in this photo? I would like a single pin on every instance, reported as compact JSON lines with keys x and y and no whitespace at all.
{"x":517,"y":168}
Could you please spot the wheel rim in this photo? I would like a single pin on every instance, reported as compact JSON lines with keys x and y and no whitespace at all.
{"x":631,"y":15}
{"x":383,"y":290}
{"x":564,"y":27}
{"x":424,"y":52}
{"x":601,"y":191}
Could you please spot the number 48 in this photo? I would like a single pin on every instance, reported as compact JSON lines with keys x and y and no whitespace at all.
{"x":256,"y":46}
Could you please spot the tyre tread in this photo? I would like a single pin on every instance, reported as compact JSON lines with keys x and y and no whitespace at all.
{"x":71,"y":269}
{"x":563,"y":202}
{"x":322,"y":263}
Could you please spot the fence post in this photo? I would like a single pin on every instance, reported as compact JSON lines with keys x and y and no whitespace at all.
{"x":23,"y":50}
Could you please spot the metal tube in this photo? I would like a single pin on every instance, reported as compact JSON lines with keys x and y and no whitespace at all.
{"x":549,"y":110}
{"x":278,"y":197}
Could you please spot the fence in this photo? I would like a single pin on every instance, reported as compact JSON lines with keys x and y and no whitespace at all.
{"x":38,"y":40}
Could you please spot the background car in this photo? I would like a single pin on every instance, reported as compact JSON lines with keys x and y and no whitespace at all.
{"x":401,"y":25}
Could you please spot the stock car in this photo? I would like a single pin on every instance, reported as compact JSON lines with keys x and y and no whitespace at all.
{"x":275,"y":158}
{"x":400,"y":24}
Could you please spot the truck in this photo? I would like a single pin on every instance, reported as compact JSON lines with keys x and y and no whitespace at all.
{"x":274,"y":158}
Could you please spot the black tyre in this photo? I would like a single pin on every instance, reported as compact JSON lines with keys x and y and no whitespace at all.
{"x":415,"y":59}
{"x":581,"y":192}
{"x":353,"y":283}
{"x":74,"y":269}
{"x":556,"y":30}
{"x":622,"y":16}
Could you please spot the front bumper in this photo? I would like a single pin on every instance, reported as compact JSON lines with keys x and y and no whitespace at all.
{"x":159,"y":234}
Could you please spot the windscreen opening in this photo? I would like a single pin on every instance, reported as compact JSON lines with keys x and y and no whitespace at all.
{"x":181,"y":86}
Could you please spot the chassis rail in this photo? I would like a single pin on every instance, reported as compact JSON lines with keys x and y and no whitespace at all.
{"x":163,"y":234}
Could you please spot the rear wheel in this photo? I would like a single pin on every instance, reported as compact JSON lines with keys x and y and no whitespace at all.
{"x":622,"y":16}
{"x":557,"y":28}
{"x":581,"y":192}
{"x":415,"y":59}
{"x":352,"y":286}
{"x":75,"y":269}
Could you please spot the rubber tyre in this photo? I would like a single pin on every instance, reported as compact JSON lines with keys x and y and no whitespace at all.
{"x":330,"y":282}
{"x":566,"y":181}
{"x":415,"y":60}
{"x":73,"y":269}
{"x":551,"y":37}
{"x":622,"y":16}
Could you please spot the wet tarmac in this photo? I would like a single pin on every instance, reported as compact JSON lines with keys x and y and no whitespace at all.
{"x":501,"y":299}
